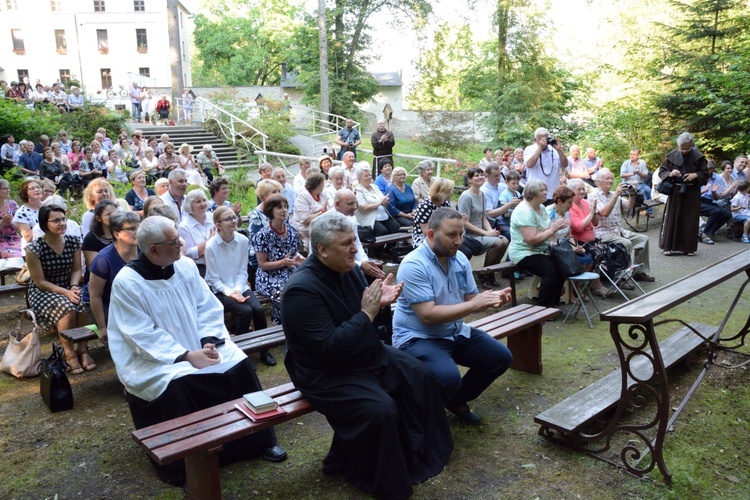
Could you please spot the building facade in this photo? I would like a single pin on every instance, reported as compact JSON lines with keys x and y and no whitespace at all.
{"x":103,"y":44}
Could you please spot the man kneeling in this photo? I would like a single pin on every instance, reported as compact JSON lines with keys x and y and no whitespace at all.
{"x":390,"y":430}
{"x":439,"y":291}
{"x":170,"y":347}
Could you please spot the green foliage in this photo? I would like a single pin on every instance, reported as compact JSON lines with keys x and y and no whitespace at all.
{"x":447,"y":132}
{"x":707,"y":72}
{"x":29,"y":124}
{"x":244,"y":43}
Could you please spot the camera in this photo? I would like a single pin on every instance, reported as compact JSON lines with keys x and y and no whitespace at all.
{"x":551,"y":141}
{"x":682,"y":189}
{"x":629,"y":190}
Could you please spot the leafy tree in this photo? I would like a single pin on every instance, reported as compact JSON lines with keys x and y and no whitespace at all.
{"x":707,"y":72}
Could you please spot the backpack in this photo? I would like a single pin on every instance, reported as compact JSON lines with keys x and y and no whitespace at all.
{"x":616,"y":258}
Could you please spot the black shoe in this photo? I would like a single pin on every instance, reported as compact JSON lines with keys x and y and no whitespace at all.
{"x":465,"y":414}
{"x":267,"y":358}
{"x":275,"y":454}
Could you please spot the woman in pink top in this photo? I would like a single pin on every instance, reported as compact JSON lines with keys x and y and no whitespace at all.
{"x":583,"y":216}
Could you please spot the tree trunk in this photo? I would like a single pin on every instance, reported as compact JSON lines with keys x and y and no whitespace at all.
{"x":353,"y":46}
{"x":503,"y":18}
{"x":323,"y":49}
{"x":175,"y":61}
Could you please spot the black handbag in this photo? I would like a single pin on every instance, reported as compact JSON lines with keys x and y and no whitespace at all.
{"x":366,"y":234}
{"x":565,"y":258}
{"x":665,"y":187}
{"x":54,"y":385}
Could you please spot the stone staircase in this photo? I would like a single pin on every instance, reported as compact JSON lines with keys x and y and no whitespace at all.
{"x":196,"y":136}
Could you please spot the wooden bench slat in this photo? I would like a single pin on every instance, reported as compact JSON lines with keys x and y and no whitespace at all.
{"x":80,"y":334}
{"x":12,"y":288}
{"x":574,"y":412}
{"x":271,"y":330}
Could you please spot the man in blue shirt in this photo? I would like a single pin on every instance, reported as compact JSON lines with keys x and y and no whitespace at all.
{"x":29,"y":161}
{"x":439,"y":291}
{"x":348,"y":138}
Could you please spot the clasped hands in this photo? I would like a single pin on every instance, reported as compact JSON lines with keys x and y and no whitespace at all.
{"x":379,"y":294}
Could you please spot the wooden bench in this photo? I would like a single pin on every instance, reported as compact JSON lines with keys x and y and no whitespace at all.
{"x":198,"y":437}
{"x":522,"y":326}
{"x":13,"y":288}
{"x":508,"y":267}
{"x":639,"y":388}
{"x":260,"y":340}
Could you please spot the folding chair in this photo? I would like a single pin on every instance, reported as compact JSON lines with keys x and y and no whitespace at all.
{"x":619,"y":278}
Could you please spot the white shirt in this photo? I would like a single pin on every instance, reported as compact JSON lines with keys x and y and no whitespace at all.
{"x":226,"y":264}
{"x":289,"y":193}
{"x":153,"y":322}
{"x":71,"y":228}
{"x":361,"y":255}
{"x":546,"y":168}
{"x":194,"y":233}
{"x":170,"y":202}
{"x":299,"y":183}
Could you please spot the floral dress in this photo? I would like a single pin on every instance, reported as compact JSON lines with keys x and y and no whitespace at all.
{"x":10,"y":240}
{"x":49,"y":307}
{"x":422,"y":216}
{"x":272,"y":282}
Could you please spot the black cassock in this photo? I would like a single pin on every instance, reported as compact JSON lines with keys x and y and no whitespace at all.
{"x":385,"y":407}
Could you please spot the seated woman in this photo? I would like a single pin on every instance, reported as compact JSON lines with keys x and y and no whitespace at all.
{"x":139,"y":192}
{"x":127,"y":155}
{"x":208,"y":162}
{"x":421,"y":185}
{"x":226,"y":272}
{"x":10,"y":240}
{"x":440,"y":196}
{"x":384,"y":178}
{"x":531,"y":230}
{"x":27,"y":216}
{"x":324,"y":164}
{"x":151,"y":203}
{"x":89,"y":168}
{"x":196,"y":228}
{"x":310,"y":204}
{"x":99,"y":236}
{"x":372,"y":211}
{"x":168,"y":160}
{"x":276,"y":250}
{"x":257,"y":220}
{"x":401,"y":200}
{"x":161,"y":186}
{"x":54,"y":263}
{"x":335,"y":182}
{"x":75,"y":157}
{"x":53,"y":170}
{"x":106,"y":265}
{"x":150,"y":165}
{"x":480,"y":237}
{"x":115,"y":169}
{"x":219,"y":192}
{"x":72,"y":229}
{"x":193,"y":171}
{"x":97,"y":190}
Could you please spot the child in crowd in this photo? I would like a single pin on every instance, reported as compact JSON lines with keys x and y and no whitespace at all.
{"x":741,"y":209}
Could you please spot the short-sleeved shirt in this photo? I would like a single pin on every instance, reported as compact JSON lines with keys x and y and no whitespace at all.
{"x":628,"y":168}
{"x":743,"y":202}
{"x":612,"y":223}
{"x":473,"y":207}
{"x":524,"y":215}
{"x":546,"y":168}
{"x":422,"y":216}
{"x":106,"y":265}
{"x":426,"y":280}
{"x":506,"y":197}
{"x":492,"y":195}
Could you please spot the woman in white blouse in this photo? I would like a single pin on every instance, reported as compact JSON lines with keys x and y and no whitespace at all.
{"x":335,"y":182}
{"x":310,"y":204}
{"x":372,"y":206}
{"x":196,"y":228}
{"x":226,"y":272}
{"x":150,"y":164}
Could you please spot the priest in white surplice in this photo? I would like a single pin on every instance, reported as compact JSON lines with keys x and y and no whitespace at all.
{"x":170,"y":347}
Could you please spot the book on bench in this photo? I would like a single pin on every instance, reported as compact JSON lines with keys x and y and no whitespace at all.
{"x":258,"y":417}
{"x":259,"y":402}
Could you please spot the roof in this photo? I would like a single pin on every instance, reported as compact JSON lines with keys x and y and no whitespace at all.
{"x":388,"y":79}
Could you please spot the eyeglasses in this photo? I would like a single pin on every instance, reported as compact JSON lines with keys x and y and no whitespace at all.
{"x":56,"y":221}
{"x":48,"y":191}
{"x":173,"y":243}
{"x":229,"y":219}
{"x":129,"y":229}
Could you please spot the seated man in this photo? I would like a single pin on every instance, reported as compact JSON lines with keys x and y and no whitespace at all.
{"x":635,"y":172}
{"x":439,"y":291}
{"x":170,"y":347}
{"x":609,"y":206}
{"x":390,"y":430}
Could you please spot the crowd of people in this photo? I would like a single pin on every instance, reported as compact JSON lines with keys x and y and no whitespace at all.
{"x":157,"y":270}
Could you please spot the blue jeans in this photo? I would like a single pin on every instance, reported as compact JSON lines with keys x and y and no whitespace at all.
{"x":136,"y":110}
{"x":485,"y":357}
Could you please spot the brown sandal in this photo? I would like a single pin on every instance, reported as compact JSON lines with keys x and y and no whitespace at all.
{"x":74,"y":366}
{"x":87,"y":361}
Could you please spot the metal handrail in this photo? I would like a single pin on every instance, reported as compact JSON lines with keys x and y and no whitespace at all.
{"x":231,"y":126}
{"x":321,"y":124}
{"x":437,"y":161}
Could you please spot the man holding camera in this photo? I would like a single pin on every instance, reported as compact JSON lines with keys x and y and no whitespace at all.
{"x":635,"y":173}
{"x":348,"y":138}
{"x":609,"y":206}
{"x":544,"y":159}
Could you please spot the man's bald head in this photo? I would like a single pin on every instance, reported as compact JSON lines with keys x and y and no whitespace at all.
{"x":345,"y":202}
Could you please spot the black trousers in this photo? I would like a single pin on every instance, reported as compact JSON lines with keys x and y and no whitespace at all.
{"x":247,"y":311}
{"x":388,"y":226}
{"x":717,"y":216}
{"x":552,"y":282}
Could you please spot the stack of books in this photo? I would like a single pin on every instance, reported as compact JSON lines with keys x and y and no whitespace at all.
{"x":259,"y":406}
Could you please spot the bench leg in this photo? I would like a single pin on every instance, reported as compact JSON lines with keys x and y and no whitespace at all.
{"x":526,"y":348}
{"x":203,"y":481}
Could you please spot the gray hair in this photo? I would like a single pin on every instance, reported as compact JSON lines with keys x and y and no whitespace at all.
{"x":176,"y":174}
{"x":324,"y":229}
{"x":575,"y":183}
{"x":348,"y":153}
{"x":118,"y":220}
{"x":540,"y":132}
{"x":191,"y":197}
{"x":533,"y":188}
{"x":55,"y":199}
{"x":4,"y":183}
{"x":362,"y":170}
{"x":159,"y":182}
{"x":336,"y":171}
{"x":424,"y":164}
{"x":685,"y":138}
{"x":152,"y":231}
